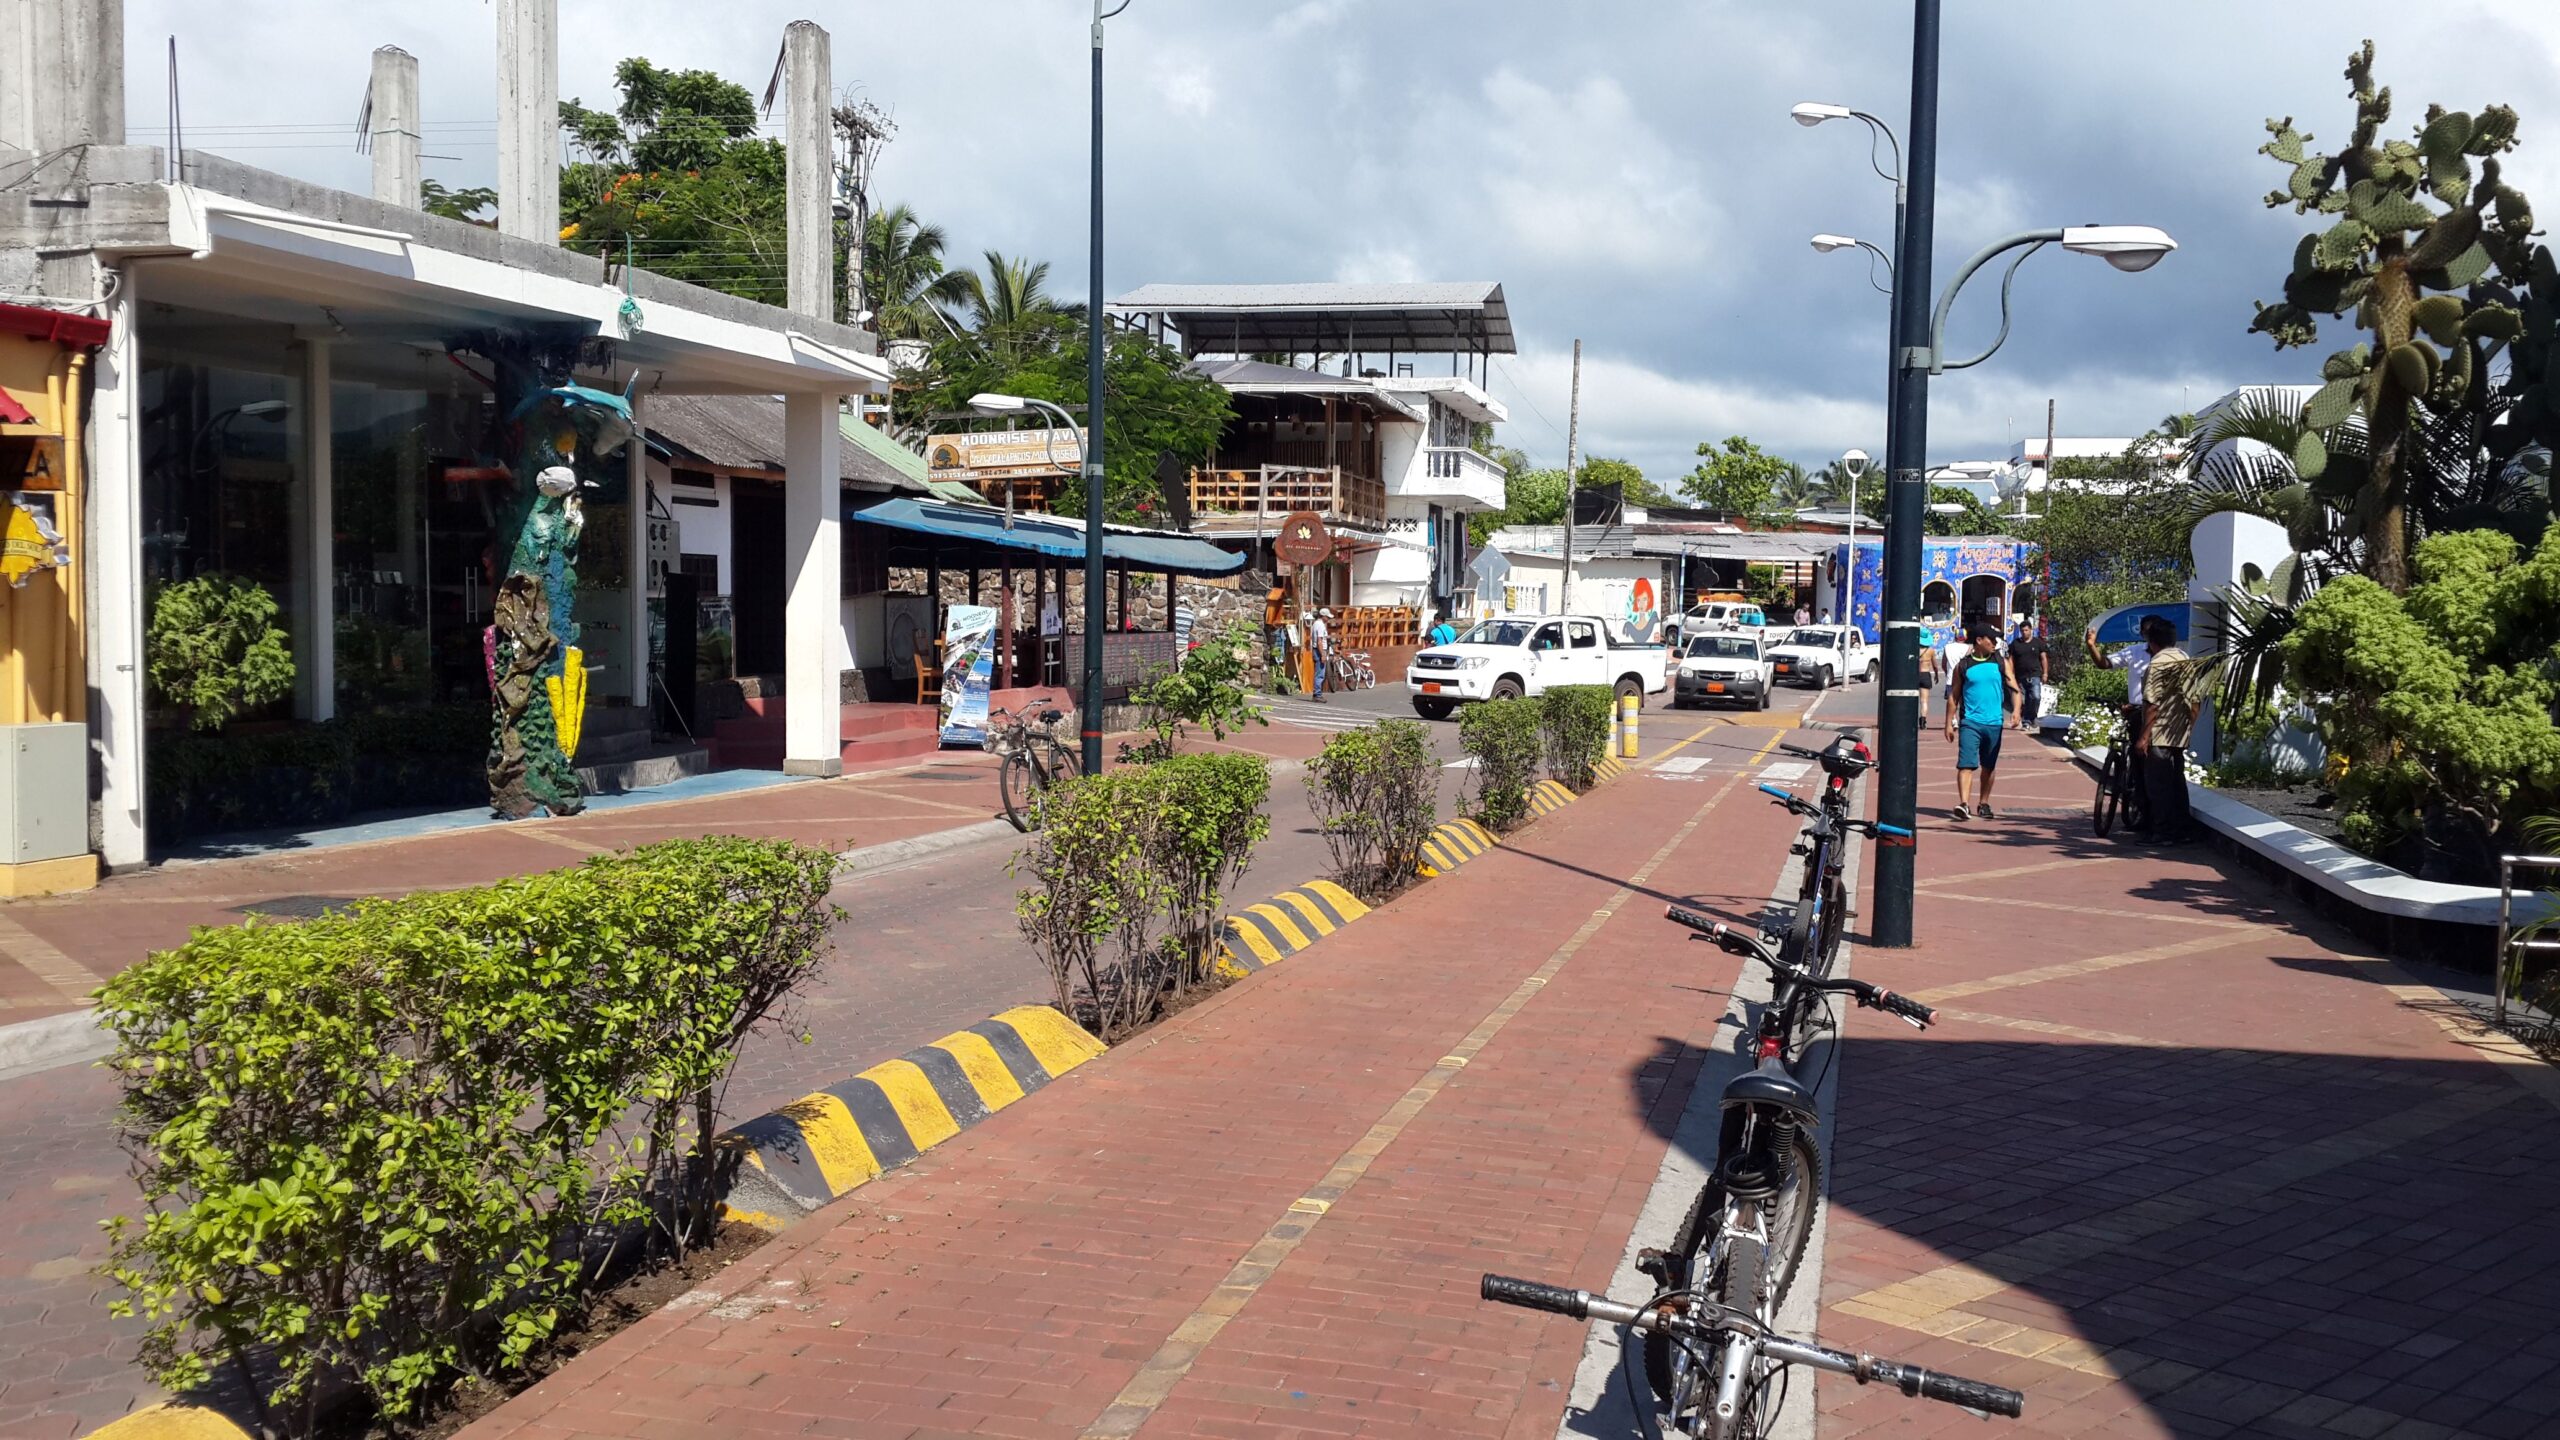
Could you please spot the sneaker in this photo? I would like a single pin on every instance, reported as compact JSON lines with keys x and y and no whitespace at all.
{"x":1984,"y":810}
{"x":1963,"y":814}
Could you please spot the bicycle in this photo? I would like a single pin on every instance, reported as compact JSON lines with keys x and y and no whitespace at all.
{"x":1747,"y":1354}
{"x":1031,"y":759}
{"x":2120,"y":796}
{"x":1822,"y":901}
{"x":1352,"y":671}
{"x":1758,"y":1202}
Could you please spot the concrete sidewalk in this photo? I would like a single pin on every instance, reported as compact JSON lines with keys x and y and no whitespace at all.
{"x":2179,"y":1160}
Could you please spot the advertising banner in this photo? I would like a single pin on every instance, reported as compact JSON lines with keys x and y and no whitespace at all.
{"x":968,"y":671}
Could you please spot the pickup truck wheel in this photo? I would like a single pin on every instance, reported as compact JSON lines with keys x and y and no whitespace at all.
{"x":1628,"y":685}
{"x":1507,"y":689}
{"x":1433,"y":709}
{"x":1831,"y":678}
{"x":1764,"y":697}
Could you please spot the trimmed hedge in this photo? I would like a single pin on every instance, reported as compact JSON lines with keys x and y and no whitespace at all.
{"x":1376,"y":792}
{"x":1507,"y":740}
{"x":388,"y":1146}
{"x":313,"y":773}
{"x":1573,"y":721}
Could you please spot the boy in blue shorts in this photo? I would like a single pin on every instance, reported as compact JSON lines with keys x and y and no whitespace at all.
{"x":1982,"y":702}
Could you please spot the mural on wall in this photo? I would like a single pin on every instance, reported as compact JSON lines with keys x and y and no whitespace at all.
{"x":537,"y":673}
{"x":1951,"y":562}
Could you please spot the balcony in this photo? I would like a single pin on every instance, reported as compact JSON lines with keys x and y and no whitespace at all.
{"x":1225,"y":502}
{"x":1454,"y":472}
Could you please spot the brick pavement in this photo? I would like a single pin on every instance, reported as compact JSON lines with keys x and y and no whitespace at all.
{"x":1313,"y":1167}
{"x":2179,"y":1160}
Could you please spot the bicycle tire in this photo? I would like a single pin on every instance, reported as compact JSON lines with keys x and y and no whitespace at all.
{"x":1788,"y":1236}
{"x":2105,"y":809}
{"x":1016,"y":785}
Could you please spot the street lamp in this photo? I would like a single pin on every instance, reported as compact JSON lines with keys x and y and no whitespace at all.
{"x":1828,"y":243}
{"x":1855,"y":463}
{"x":1093,"y":427}
{"x":2130,"y":248}
{"x":989,"y":402}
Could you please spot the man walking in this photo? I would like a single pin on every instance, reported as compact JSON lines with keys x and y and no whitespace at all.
{"x":1443,"y":633}
{"x":2027,"y":660}
{"x":2160,"y":747}
{"x":1320,"y":644}
{"x":1982,"y":702}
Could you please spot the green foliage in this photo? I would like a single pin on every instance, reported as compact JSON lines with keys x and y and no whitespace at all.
{"x":1376,"y":794}
{"x":1573,"y":726}
{"x":678,"y":175}
{"x":1529,"y":497}
{"x":464,"y":204}
{"x":2441,"y":699}
{"x":2092,"y":691}
{"x":1154,"y":406}
{"x":1127,"y":873}
{"x":904,"y":278}
{"x":213,"y":649}
{"x":1737,"y":477}
{"x":1206,"y":689}
{"x":2409,"y":234}
{"x":1507,"y":741}
{"x":1630,"y":479}
{"x":2121,"y":544}
{"x":313,"y":773}
{"x":1970,"y":517}
{"x":380,"y":1146}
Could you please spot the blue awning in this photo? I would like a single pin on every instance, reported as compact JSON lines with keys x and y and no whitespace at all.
{"x":1125,"y":547}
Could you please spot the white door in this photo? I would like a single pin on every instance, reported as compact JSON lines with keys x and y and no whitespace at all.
{"x":1590,"y":656}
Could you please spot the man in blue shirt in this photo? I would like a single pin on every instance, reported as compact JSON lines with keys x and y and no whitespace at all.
{"x":1443,"y":633}
{"x":1982,"y":702}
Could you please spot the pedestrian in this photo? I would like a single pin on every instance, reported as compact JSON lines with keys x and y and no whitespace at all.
{"x":1957,"y":649}
{"x":2028,"y":661}
{"x":1442,"y":633}
{"x":2135,"y":661}
{"x":1320,"y":644}
{"x":1982,"y":702}
{"x":2161,"y":746}
{"x":1803,"y":616}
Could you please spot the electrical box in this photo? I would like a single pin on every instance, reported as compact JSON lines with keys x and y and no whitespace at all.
{"x":44,"y":792}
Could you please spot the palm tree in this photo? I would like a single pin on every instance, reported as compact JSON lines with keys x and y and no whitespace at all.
{"x":1010,"y":292}
{"x":1791,"y":491}
{"x":2178,"y":425}
{"x":912,"y":295}
{"x":1829,"y":487}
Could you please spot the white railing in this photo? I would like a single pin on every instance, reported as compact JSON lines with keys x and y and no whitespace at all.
{"x":1457,"y":470}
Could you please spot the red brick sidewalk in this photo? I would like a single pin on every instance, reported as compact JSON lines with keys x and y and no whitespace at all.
{"x":2177,"y":1161}
{"x":1268,"y":1215}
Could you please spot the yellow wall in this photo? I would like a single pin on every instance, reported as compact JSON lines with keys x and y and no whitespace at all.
{"x":43,"y":665}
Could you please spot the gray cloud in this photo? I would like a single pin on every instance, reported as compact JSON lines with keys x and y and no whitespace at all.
{"x":1625,"y":167}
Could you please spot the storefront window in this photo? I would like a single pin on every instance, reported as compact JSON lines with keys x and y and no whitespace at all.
{"x":380,"y":438}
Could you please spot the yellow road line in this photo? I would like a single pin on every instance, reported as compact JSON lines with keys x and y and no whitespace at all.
{"x":2020,"y":870}
{"x":38,"y":957}
{"x":2073,"y":968}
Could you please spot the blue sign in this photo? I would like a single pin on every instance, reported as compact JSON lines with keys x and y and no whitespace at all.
{"x":969,"y":667}
{"x":2123,"y":626}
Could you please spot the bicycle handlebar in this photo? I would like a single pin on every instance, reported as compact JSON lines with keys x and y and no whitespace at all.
{"x":1749,"y":947}
{"x":1702,"y":1320}
{"x":1802,"y":806}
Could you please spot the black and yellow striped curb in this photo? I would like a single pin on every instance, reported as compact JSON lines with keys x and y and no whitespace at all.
{"x":1452,"y":845}
{"x":1609,"y":769}
{"x":1549,"y":796}
{"x":1287,"y":923}
{"x":170,"y":1422}
{"x":795,"y":1159}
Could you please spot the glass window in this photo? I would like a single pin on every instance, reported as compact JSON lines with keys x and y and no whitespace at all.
{"x":1724,"y":647}
{"x":1490,"y":632}
{"x":1550,"y":637}
{"x":1585,"y":636}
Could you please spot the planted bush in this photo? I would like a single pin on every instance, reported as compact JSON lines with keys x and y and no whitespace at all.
{"x":213,"y":649}
{"x":1128,"y":872}
{"x":1573,"y":722}
{"x":400,"y":1144}
{"x":1376,"y":792}
{"x":2092,"y":692}
{"x":1506,"y":740}
{"x":1204,"y":690}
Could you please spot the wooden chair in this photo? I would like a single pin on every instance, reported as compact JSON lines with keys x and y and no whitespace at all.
{"x":928,"y":669}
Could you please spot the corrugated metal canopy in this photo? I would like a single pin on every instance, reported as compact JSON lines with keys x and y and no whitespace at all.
{"x":1467,"y":317}
{"x":983,"y":527}
{"x":745,"y":432}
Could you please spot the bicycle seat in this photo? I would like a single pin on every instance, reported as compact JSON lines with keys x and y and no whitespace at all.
{"x":1052,"y":717}
{"x":1771,"y":1085}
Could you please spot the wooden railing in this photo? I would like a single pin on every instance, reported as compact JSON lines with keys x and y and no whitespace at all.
{"x":1228,"y":497}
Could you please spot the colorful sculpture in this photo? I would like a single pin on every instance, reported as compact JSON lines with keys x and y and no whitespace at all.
{"x":537,"y":674}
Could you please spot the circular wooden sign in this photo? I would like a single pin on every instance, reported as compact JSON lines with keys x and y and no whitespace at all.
{"x":1303,"y":539}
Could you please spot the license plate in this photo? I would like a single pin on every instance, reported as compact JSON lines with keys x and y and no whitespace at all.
{"x":1715,"y":687}
{"x":1786,"y":665}
{"x":1430,"y":687}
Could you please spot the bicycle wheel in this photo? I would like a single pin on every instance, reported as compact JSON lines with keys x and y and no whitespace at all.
{"x":1019,"y":782}
{"x":1702,"y":1265}
{"x":2109,"y":803}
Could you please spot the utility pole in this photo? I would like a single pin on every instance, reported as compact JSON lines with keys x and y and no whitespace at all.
{"x":1093,"y":578}
{"x":1906,"y":489}
{"x":2048,"y":460}
{"x":1572,"y":462}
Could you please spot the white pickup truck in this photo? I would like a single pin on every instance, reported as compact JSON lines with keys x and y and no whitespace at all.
{"x":1510,"y":656}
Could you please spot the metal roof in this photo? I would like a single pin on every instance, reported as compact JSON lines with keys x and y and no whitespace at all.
{"x":745,"y":432}
{"x":1457,"y":318}
{"x":1057,"y":536}
{"x":1260,"y":377}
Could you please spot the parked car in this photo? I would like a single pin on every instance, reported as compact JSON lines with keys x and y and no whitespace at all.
{"x":1721,"y":615}
{"x":1510,"y":656}
{"x":1723,"y":668}
{"x":1822,"y":656}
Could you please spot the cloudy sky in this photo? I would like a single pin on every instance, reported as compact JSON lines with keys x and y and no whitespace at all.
{"x":1625,"y":168}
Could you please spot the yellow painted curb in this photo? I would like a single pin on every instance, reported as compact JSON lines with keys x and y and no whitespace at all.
{"x":796,"y":1159}
{"x":1452,"y":845}
{"x":1260,"y":936}
{"x":170,"y":1422}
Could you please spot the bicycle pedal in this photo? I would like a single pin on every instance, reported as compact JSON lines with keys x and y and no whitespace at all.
{"x":1654,"y":1265}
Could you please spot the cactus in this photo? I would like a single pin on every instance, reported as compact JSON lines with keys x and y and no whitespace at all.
{"x":2429,"y":259}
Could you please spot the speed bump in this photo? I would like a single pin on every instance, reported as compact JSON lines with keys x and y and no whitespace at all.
{"x":1609,"y":768}
{"x":1548,"y":796}
{"x":793,"y":1160}
{"x":171,"y":1422}
{"x":1452,"y":845}
{"x":1265,"y":934}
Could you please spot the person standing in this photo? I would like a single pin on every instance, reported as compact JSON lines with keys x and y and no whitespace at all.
{"x":1442,"y":633}
{"x":1957,"y":649}
{"x":1982,"y":703}
{"x":2161,"y":746}
{"x":1320,"y":644}
{"x":2029,"y":662}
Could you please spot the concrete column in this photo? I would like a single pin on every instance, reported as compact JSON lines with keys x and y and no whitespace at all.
{"x":112,"y":557}
{"x":635,"y":540}
{"x":812,"y":515}
{"x":396,"y":171}
{"x":529,"y":119}
{"x":316,"y":548}
{"x":61,"y":73}
{"x":810,"y":163}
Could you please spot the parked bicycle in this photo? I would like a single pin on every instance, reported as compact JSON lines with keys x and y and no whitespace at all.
{"x":1747,"y":1356}
{"x":1032,"y":758}
{"x":1352,"y":670}
{"x":1745,"y":1234}
{"x":1822,"y":900}
{"x":2120,"y":798}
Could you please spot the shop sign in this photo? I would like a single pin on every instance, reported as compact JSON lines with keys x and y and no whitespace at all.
{"x":973,"y":459}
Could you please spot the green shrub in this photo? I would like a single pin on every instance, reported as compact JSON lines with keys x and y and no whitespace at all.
{"x":2092,"y":691}
{"x":1505,"y":738}
{"x":1211,"y":811}
{"x":1204,"y":690}
{"x":1573,"y":721}
{"x":382,"y":1146}
{"x":1376,"y":793}
{"x":315,"y":773}
{"x":213,"y":649}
